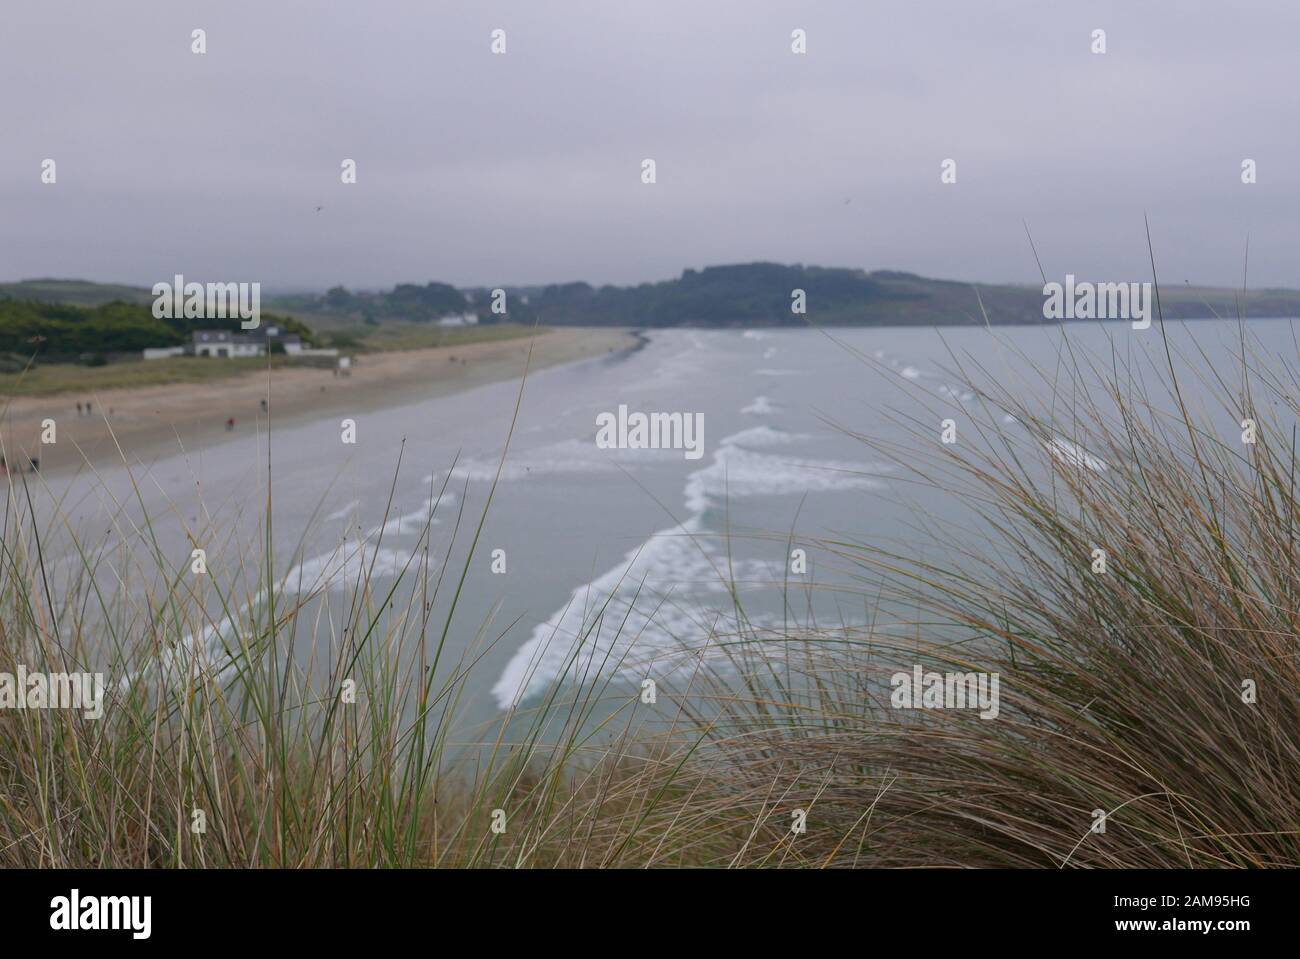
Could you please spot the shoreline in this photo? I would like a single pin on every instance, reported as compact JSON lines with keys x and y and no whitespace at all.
{"x":155,"y":421}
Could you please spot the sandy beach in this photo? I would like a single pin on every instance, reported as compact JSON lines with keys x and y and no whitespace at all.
{"x":153,"y":421}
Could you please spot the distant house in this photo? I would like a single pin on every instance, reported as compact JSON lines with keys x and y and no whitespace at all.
{"x":253,"y":343}
{"x":228,"y":345}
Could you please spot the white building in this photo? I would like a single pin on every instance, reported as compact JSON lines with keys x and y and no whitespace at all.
{"x":459,"y":319}
{"x":228,"y":345}
{"x":163,"y":352}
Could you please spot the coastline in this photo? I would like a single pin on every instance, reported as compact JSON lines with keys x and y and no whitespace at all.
{"x":154,"y":421}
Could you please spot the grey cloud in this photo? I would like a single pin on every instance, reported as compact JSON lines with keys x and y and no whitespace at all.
{"x":476,"y":169}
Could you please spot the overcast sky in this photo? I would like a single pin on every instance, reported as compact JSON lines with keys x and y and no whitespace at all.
{"x":478,"y":169}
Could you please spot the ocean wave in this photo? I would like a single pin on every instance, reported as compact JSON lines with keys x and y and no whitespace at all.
{"x":656,"y":600}
{"x":1072,"y":455}
{"x":737,"y":472}
{"x":642,"y":611}
{"x":762,"y":436}
{"x":565,"y":457}
{"x":345,"y":566}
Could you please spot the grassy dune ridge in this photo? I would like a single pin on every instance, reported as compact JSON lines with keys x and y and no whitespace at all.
{"x":52,"y":379}
{"x":1120,"y":691}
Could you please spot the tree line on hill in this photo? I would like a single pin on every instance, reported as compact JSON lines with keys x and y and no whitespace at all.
{"x":761,"y":295}
{"x":406,"y":301}
{"x":747,"y":294}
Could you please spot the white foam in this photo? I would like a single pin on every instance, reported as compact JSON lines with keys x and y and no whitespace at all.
{"x":563,"y":458}
{"x":956,"y":393}
{"x":340,"y":569}
{"x":683,"y":367}
{"x":412,"y":522}
{"x":761,"y":406}
{"x":904,"y":369}
{"x":345,"y":566}
{"x":1072,"y":455}
{"x":762,"y":436}
{"x":345,"y":512}
{"x":737,"y":472}
{"x":647,"y":601}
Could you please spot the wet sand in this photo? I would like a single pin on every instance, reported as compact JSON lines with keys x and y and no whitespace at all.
{"x":148,"y":422}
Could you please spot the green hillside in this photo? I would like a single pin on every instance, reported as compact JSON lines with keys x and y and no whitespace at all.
{"x":63,"y":332}
{"x":75,"y":292}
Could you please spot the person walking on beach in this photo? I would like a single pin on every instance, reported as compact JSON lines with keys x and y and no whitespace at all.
{"x":78,"y":407}
{"x":230,"y":424}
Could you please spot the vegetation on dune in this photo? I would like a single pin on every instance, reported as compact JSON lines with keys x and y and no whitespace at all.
{"x":48,"y":348}
{"x":53,"y":378}
{"x":21,"y":378}
{"x":60,"y":332}
{"x":75,"y":292}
